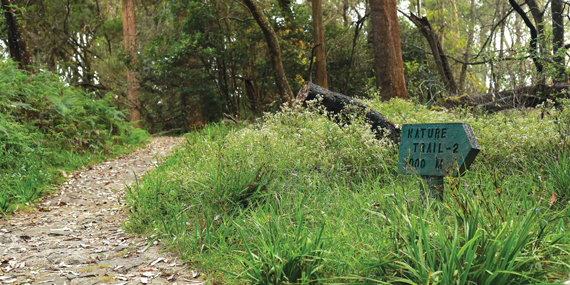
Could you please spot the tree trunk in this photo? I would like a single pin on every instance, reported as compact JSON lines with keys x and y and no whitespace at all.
{"x":533,"y":36}
{"x":437,"y":51}
{"x":467,"y":55}
{"x":337,"y":103}
{"x":319,"y":37}
{"x":16,"y":40}
{"x":130,"y":41}
{"x":388,"y":63}
{"x":345,"y":13}
{"x":274,"y":51}
{"x":538,"y":16}
{"x":357,"y":28}
{"x":557,"y":8}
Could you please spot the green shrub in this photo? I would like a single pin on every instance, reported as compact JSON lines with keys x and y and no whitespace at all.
{"x":45,"y":126}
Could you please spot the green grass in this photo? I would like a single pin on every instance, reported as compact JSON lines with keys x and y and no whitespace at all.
{"x":296,"y":199}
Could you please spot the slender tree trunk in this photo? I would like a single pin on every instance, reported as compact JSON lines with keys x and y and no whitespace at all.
{"x":542,"y":50}
{"x":456,"y":18}
{"x":16,"y":40}
{"x":441,"y":23}
{"x":319,"y":36}
{"x":274,"y":51}
{"x":538,"y":16}
{"x":498,"y":73}
{"x":345,"y":13}
{"x":533,"y":36}
{"x":357,"y":29}
{"x":438,"y":53}
{"x":557,"y":8}
{"x":88,"y":74}
{"x":502,"y":9}
{"x":467,"y":54}
{"x":130,"y":41}
{"x":388,"y":63}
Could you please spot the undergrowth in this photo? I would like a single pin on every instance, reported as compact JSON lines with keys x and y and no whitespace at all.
{"x":46,"y":126}
{"x":299,"y":199}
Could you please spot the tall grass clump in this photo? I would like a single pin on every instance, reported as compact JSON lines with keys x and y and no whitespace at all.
{"x":298,"y":198}
{"x":46,"y":126}
{"x":276,"y":255}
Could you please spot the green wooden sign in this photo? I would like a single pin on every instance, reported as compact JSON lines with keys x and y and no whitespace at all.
{"x":437,"y":149}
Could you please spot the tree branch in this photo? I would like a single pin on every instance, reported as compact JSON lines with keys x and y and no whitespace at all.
{"x":492,"y":32}
{"x":472,"y":63}
{"x":533,"y":35}
{"x":237,"y":19}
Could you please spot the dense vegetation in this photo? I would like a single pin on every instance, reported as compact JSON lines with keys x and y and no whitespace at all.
{"x":197,"y":60}
{"x":296,"y":198}
{"x":46,"y":126}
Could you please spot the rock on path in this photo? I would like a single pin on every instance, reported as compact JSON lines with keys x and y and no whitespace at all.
{"x":76,"y":235}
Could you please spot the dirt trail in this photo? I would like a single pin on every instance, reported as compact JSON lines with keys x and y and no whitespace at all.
{"x":76,"y":235}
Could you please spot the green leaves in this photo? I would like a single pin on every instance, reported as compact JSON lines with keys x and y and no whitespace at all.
{"x":448,"y":254}
{"x":276,"y":255}
{"x":45,"y":125}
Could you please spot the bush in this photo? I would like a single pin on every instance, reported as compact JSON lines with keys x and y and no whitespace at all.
{"x":45,"y":126}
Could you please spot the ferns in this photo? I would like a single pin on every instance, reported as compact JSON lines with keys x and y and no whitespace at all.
{"x":43,"y":123}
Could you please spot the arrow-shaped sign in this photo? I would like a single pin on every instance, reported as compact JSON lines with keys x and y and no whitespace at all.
{"x":437,"y":149}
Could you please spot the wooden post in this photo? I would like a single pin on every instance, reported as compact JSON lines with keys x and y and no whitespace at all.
{"x":432,"y":186}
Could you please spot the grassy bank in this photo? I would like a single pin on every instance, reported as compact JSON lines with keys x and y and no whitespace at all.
{"x":298,"y":199}
{"x":47,"y":127}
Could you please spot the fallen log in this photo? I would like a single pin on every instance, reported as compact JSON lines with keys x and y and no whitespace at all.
{"x":337,"y":103}
{"x":522,"y":97}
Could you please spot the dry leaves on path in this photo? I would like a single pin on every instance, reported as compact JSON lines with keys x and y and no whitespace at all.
{"x":76,"y":235}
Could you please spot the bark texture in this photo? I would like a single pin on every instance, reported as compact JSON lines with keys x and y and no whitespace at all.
{"x":319,"y":38}
{"x":557,"y":8}
{"x":130,"y":41}
{"x":438,"y":53}
{"x":274,"y":51}
{"x":341,"y":104}
{"x":16,"y":40}
{"x":388,"y":63}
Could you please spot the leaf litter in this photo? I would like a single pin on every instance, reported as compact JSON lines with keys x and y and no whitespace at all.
{"x":75,"y":236}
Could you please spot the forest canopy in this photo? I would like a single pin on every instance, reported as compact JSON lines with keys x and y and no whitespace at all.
{"x":181,"y":64}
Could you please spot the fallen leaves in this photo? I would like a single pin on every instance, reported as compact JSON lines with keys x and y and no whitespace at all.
{"x":81,"y":240}
{"x":552,"y":200}
{"x":159,"y":260}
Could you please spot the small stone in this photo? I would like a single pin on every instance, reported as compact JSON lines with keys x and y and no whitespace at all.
{"x":121,"y":247}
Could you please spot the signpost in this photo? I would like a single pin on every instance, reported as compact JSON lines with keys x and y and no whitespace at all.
{"x":434,"y":151}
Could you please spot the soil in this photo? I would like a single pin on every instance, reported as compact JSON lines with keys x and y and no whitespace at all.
{"x":76,"y":236}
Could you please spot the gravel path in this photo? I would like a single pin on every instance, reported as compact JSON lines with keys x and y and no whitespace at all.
{"x":76,"y":235}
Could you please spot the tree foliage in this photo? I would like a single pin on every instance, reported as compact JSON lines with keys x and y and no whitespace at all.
{"x":198,"y":60}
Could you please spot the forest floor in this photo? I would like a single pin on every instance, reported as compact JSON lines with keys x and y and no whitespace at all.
{"x":75,"y":236}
